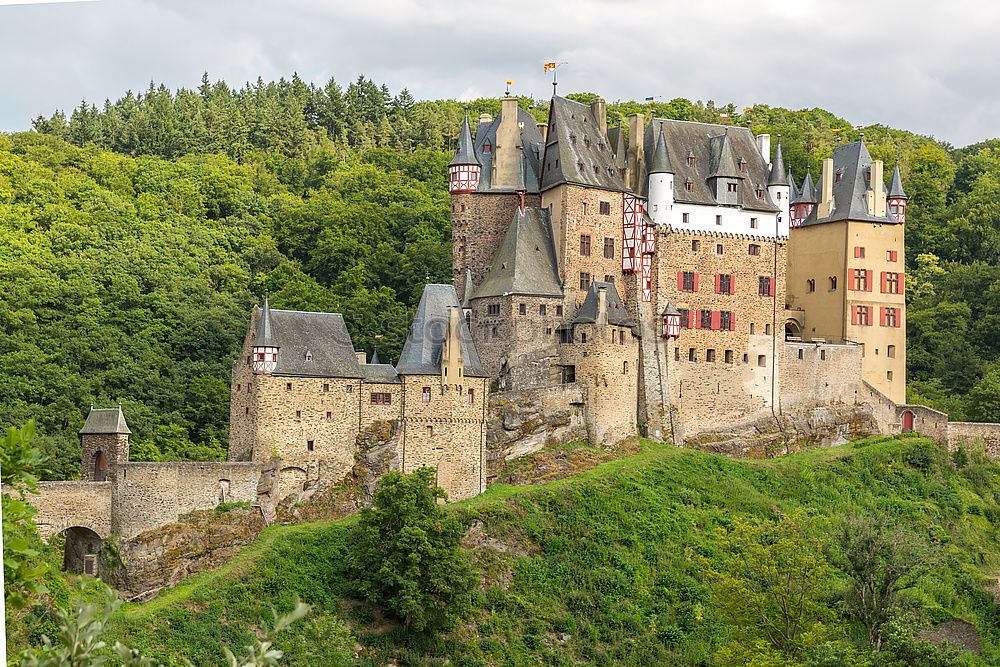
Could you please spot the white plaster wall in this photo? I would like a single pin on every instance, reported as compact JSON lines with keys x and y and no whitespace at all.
{"x":734,"y":221}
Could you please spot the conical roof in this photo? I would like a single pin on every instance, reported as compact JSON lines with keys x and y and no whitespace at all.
{"x":660,"y":163}
{"x":469,"y":287}
{"x":464,"y":152}
{"x":896,"y":188}
{"x":807,"y":195}
{"x":375,"y":359}
{"x":265,"y":330}
{"x":793,"y":191}
{"x":778,"y":175}
{"x":421,"y":353}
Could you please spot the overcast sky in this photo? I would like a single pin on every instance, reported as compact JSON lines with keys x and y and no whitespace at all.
{"x":926,"y":67}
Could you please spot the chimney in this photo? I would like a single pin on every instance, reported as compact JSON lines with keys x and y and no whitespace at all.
{"x":600,"y":109}
{"x":362,"y":356}
{"x":451,"y":351}
{"x":485,"y":118}
{"x":877,"y":191}
{"x":634,"y":153}
{"x":825,"y":206}
{"x":602,"y":307}
{"x":764,"y":146}
{"x":543,"y":129}
{"x":507,"y":152}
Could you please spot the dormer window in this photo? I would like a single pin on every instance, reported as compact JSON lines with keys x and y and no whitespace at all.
{"x":487,"y":148}
{"x":690,"y":159}
{"x":839,"y":175}
{"x":731,"y":187}
{"x":760,"y":192}
{"x":689,"y":185}
{"x":309,"y":356}
{"x":586,"y":142}
{"x":743,"y":165}
{"x":572,"y":138}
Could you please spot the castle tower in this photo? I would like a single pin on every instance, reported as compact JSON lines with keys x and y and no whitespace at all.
{"x":804,"y":201}
{"x":105,"y":443}
{"x":897,"y":198}
{"x":661,"y":184}
{"x":265,"y":348}
{"x":463,"y":170}
{"x":779,"y":189}
{"x":845,"y":267}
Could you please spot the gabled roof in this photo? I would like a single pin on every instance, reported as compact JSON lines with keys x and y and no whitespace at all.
{"x":532,"y":146}
{"x":896,"y":188}
{"x":526,"y":261}
{"x":617,"y":314}
{"x":309,"y":344}
{"x":465,"y":153}
{"x":577,"y":151}
{"x":105,"y":421}
{"x":850,"y":193}
{"x":422,"y":350}
{"x":778,"y":176}
{"x":807,"y":195}
{"x":686,"y":140}
{"x":660,"y":164}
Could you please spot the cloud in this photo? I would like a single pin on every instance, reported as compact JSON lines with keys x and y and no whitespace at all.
{"x":871,"y":62}
{"x":41,"y":2}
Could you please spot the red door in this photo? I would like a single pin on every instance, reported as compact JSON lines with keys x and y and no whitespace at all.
{"x":907,"y":422}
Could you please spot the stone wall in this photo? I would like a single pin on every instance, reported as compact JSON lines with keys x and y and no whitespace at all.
{"x":113,"y":446}
{"x":149,"y":495}
{"x":63,"y":505}
{"x":927,"y":422}
{"x":479,"y":221}
{"x":447,"y":432}
{"x":502,"y":339}
{"x":820,"y":373}
{"x":970,"y":434}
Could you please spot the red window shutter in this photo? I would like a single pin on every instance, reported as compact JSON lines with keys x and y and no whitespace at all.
{"x":854,"y":314}
{"x":696,"y":282}
{"x":901,"y":289}
{"x":716,"y":319}
{"x":695,"y":319}
{"x":881,"y":316}
{"x":732,"y":321}
{"x":718,"y":283}
{"x":680,"y":281}
{"x":857,"y":252}
{"x":773,"y":293}
{"x":885,"y":281}
{"x":868,"y":280}
{"x":732,"y":284}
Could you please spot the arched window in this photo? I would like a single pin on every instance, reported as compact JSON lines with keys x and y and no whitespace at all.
{"x":100,"y":467}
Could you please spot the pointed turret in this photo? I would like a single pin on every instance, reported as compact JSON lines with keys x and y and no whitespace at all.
{"x":464,"y":167}
{"x":265,"y":333}
{"x":375,"y":359}
{"x":897,"y":197}
{"x":793,"y":192}
{"x":467,"y":292}
{"x":778,"y":175}
{"x":660,"y":163}
{"x":807,"y":195}
{"x":265,"y":348}
{"x":803,"y":201}
{"x":724,"y":175}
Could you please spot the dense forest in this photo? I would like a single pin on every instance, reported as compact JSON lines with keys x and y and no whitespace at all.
{"x":136,"y":236}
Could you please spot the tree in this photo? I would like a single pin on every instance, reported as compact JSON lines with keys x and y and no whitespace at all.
{"x":772,"y":580}
{"x":881,"y":559}
{"x":407,"y":554}
{"x":22,"y":466}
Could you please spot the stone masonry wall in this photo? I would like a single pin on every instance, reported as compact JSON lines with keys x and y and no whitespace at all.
{"x":63,"y":505}
{"x":501,"y":339}
{"x":149,"y":495}
{"x":969,"y":434}
{"x":114,"y":446}
{"x":820,"y":373}
{"x":479,"y":221}
{"x":448,"y":432}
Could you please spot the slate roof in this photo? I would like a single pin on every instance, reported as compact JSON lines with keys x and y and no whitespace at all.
{"x":807,"y":195}
{"x":849,"y":193}
{"x":104,"y":421}
{"x":896,"y":188}
{"x":526,"y":261}
{"x":577,"y":150}
{"x":469,"y":289}
{"x":374,"y":361}
{"x":321,"y":336}
{"x":532,"y":146}
{"x":380,"y":373}
{"x":660,"y":164}
{"x":465,"y":153}
{"x":778,"y":176}
{"x":793,"y":192}
{"x":617,"y":314}
{"x":422,"y":350}
{"x":707,"y":145}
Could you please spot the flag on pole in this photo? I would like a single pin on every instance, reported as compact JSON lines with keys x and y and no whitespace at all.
{"x":510,"y":82}
{"x":747,"y":110}
{"x":547,"y":66}
{"x":723,"y":115}
{"x":839,"y":129}
{"x":649,"y":99}
{"x":859,"y":127}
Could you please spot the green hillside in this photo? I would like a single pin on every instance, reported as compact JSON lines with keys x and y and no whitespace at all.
{"x":607,"y":567}
{"x":136,"y":236}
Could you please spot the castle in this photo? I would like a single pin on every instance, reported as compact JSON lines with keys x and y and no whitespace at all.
{"x":670,"y":281}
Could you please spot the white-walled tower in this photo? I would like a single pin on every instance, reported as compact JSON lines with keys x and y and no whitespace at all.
{"x":779,"y":189}
{"x":660,"y":202}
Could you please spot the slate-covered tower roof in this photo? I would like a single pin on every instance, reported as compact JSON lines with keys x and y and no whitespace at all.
{"x":896,"y":188}
{"x":807,"y":195}
{"x":532,"y":146}
{"x":265,"y":334}
{"x":660,"y":164}
{"x":526,"y":261}
{"x":577,"y":149}
{"x":465,"y":152}
{"x":421,"y":353}
{"x":793,"y":192}
{"x":852,"y":165}
{"x":778,"y":175}
{"x":617,"y":313}
{"x":104,"y":421}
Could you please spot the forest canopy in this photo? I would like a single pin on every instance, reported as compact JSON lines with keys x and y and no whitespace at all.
{"x":137,"y":235}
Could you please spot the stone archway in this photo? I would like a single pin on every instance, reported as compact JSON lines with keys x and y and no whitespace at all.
{"x":792,"y":329}
{"x":907,"y":421}
{"x":82,"y":549}
{"x":291,"y":481}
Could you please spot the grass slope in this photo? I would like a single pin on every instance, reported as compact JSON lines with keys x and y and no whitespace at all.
{"x":600,"y":567}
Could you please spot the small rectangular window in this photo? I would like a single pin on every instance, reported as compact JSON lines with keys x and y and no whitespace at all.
{"x":288,"y":386}
{"x":731,"y":187}
{"x":310,"y":445}
{"x":710,"y":355}
{"x":801,"y":353}
{"x":753,"y":249}
{"x":427,"y":394}
{"x":718,"y":219}
{"x":726,"y":320}
{"x":692,"y":354}
{"x":705,"y":319}
{"x":888,"y":376}
{"x":695,"y":246}
{"x":326,"y":387}
{"x":568,"y":374}
{"x":859,"y":252}
{"x":430,"y":430}
{"x":558,"y":311}
{"x":718,"y":249}
{"x":724,"y":283}
{"x":688,"y":282}
{"x":493,"y":309}
{"x":472,"y":396}
{"x":584,"y":280}
{"x":522,"y":309}
{"x":349,"y":389}
{"x":753,"y":223}
{"x":761,"y":360}
{"x":765,"y":286}
{"x":685,"y":318}
{"x":891,"y":255}
{"x":685,"y":217}
{"x":605,"y":208}
{"x":890,"y":351}
{"x":298,"y":414}
{"x":541,"y":309}
{"x":585,"y":245}
{"x":729,"y":356}
{"x":609,"y":248}
{"x":822,"y":355}
{"x":329,"y":416}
